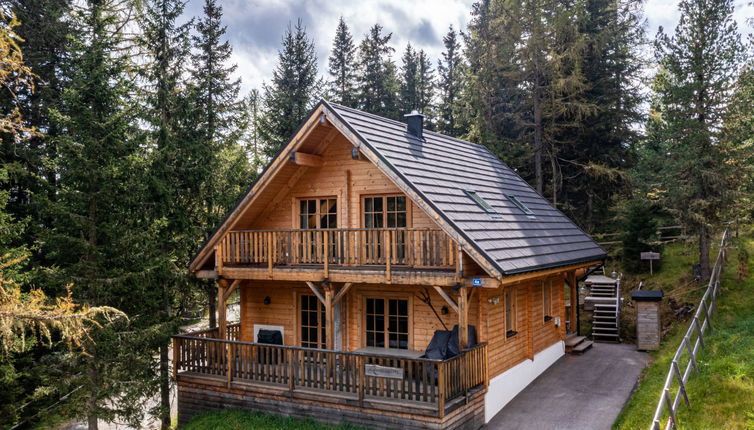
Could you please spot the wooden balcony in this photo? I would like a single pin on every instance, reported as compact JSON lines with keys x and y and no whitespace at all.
{"x":376,"y":382}
{"x":379,"y":255}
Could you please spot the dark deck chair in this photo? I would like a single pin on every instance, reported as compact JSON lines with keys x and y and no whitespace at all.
{"x":270,"y":337}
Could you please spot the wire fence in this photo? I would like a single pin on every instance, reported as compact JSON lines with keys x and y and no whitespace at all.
{"x":686,"y":354}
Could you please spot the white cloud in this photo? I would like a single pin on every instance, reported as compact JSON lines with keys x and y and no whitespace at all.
{"x":256,"y":27}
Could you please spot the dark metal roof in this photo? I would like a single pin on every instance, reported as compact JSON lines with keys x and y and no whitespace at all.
{"x":442,"y":169}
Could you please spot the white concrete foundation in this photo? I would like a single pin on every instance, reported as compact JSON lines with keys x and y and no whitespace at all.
{"x":504,"y":387}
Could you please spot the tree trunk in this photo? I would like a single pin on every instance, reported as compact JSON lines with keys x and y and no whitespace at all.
{"x":91,"y":403}
{"x":704,"y":252}
{"x":538,"y":140}
{"x":164,"y":387}
{"x":212,"y":305}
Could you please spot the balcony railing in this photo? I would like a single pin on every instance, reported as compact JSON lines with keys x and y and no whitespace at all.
{"x":407,"y":247}
{"x":352,"y":376}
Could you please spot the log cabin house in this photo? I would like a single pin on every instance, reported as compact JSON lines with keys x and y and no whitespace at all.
{"x":389,"y":277}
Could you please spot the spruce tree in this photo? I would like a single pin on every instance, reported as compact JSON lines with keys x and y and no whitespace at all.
{"x":698,"y":67}
{"x":212,"y":119}
{"x":408,"y":81}
{"x":98,"y":230}
{"x":425,"y":85}
{"x":293,"y":91}
{"x":450,"y":71}
{"x":378,"y":84}
{"x":171,"y":173}
{"x":342,"y":87}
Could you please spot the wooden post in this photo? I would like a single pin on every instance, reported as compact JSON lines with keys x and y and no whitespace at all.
{"x":222,"y":323}
{"x":388,"y":255}
{"x":176,"y":356}
{"x":270,"y":253}
{"x":326,"y":253}
{"x":219,"y":258}
{"x":329,"y":318}
{"x":463,"y":318}
{"x":229,"y":368}
{"x":441,"y":368}
{"x":362,"y":379}
{"x":571,"y":277}
{"x":529,"y":334}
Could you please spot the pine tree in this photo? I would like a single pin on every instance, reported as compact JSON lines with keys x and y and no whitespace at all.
{"x":342,"y":68}
{"x":599,"y":151}
{"x":43,"y":32}
{"x":450,"y":70}
{"x":698,"y":67}
{"x":425,"y":85}
{"x":98,"y":229}
{"x":213,"y":96}
{"x":293,"y":91}
{"x":378,"y":84}
{"x":173,"y":192}
{"x":252,"y":141}
{"x":409,"y":96}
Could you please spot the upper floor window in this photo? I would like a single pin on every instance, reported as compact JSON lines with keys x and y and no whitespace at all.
{"x":385,"y":211}
{"x":318,"y":213}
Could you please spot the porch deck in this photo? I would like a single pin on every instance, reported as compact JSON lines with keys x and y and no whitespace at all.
{"x":359,"y":381}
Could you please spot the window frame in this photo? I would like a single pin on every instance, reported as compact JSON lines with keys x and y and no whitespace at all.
{"x":385,"y":212}
{"x":547,"y":308}
{"x":322,"y":341}
{"x":510,"y":297}
{"x":386,"y":296}
{"x":297,"y":211}
{"x":521,"y":206}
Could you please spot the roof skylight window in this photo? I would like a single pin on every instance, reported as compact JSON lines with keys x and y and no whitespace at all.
{"x":482,"y":203}
{"x":519,"y":204}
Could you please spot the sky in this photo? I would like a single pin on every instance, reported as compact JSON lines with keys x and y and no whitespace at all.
{"x":255,"y":27}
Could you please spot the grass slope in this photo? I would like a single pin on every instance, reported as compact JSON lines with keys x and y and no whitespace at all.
{"x":230,"y":419}
{"x":722,"y":394}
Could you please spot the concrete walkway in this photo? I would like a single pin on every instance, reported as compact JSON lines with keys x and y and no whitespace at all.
{"x":578,"y":392}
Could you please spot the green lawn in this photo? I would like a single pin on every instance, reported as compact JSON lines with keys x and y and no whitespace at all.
{"x":722,"y":394}
{"x":244,"y":420}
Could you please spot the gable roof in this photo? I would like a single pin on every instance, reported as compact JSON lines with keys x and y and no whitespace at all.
{"x":437,"y":172}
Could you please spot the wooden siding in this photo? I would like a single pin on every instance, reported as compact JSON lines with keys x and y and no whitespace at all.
{"x":533,"y":334}
{"x":341,"y":177}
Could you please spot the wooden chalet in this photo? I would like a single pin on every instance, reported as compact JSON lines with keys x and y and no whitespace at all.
{"x":389,"y":277}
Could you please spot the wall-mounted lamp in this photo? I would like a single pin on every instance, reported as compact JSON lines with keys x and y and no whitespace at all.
{"x":494,"y":300}
{"x":444,"y":310}
{"x":267,"y":300}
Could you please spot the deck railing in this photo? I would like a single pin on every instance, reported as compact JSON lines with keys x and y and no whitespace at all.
{"x":412,"y":247}
{"x":355,"y":375}
{"x":687,"y":351}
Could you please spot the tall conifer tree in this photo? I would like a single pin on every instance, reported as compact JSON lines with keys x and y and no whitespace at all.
{"x":408,"y":81}
{"x":378,"y":83}
{"x":342,"y":65}
{"x":215,"y":112}
{"x":698,"y":68}
{"x":450,"y":77}
{"x":293,"y":91}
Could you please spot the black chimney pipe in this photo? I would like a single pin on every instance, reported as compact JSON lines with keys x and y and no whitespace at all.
{"x":415,"y":124}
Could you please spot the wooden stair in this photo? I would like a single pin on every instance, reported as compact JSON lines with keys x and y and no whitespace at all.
{"x":577,"y":344}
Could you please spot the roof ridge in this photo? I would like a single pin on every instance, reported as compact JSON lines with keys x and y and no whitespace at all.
{"x":425,"y":131}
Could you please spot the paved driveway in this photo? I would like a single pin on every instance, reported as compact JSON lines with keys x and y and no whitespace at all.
{"x":578,"y":392}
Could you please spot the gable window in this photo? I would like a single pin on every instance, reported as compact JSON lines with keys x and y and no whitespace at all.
{"x":312,"y":323}
{"x":387,"y":323}
{"x":511,"y":313}
{"x":547,"y":300}
{"x":519,"y":204}
{"x":318,"y":213}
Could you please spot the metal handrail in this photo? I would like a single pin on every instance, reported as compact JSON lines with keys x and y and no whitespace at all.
{"x":699,"y":325}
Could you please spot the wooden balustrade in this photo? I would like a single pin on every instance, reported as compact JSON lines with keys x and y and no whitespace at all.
{"x":412,"y":247}
{"x":355,"y":375}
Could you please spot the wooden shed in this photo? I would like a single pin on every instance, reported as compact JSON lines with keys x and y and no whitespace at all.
{"x":389,"y":277}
